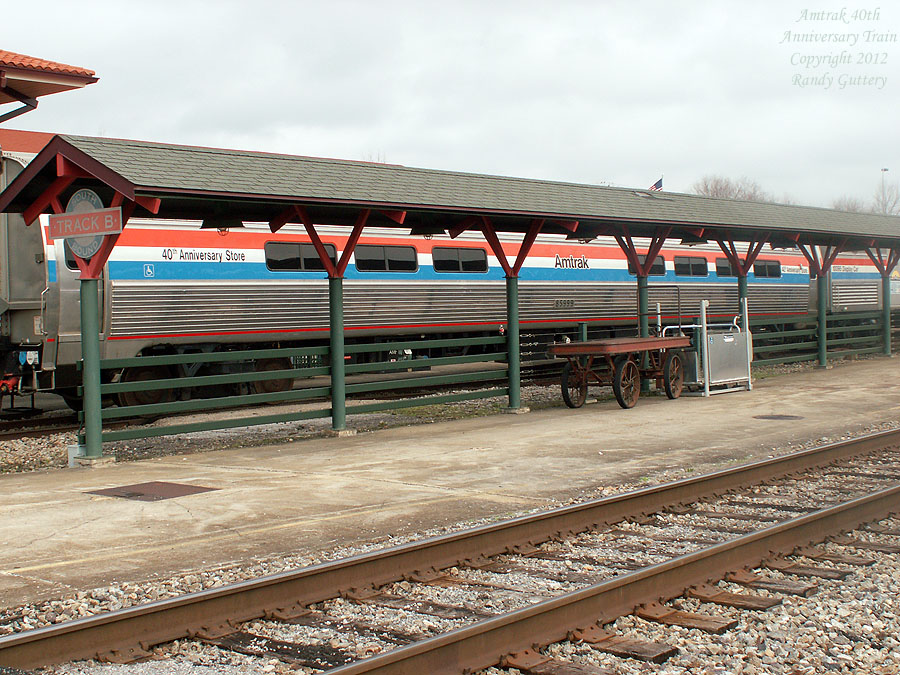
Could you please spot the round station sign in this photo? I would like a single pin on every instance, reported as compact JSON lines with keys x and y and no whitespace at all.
{"x":84,"y":201}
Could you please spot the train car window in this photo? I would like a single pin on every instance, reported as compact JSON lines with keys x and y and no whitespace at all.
{"x":386,"y":258}
{"x":309,"y":257}
{"x":290,"y":257}
{"x":448,"y":259}
{"x":724,"y":268}
{"x":657,"y":269}
{"x":401,"y":258}
{"x":370,"y":258}
{"x":473,"y":260}
{"x":687,"y":266}
{"x":70,"y":257}
{"x":770,"y":269}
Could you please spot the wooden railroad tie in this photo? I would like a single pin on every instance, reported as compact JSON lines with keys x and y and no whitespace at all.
{"x":622,"y":646}
{"x":535,"y":663}
{"x":840,"y":558}
{"x":867,"y":545}
{"x":751,"y":580}
{"x":788,"y":567}
{"x":715,"y":595}
{"x":675,"y":617}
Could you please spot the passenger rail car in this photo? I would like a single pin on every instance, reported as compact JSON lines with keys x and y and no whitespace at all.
{"x":171,"y":287}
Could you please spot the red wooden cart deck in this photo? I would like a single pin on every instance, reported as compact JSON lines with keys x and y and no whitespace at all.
{"x":623,"y":345}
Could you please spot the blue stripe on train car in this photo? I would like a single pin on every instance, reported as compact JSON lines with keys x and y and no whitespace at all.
{"x":194,"y":271}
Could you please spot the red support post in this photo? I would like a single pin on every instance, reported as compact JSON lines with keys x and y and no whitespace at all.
{"x":47,"y":199}
{"x":533,"y":231}
{"x":627,"y":246}
{"x":742,"y":265}
{"x":494,"y":242}
{"x":626,"y":243}
{"x":832,"y":254}
{"x":877,"y":261}
{"x":893,"y":258}
{"x":812,"y":257}
{"x":317,"y":242}
{"x":656,"y":245}
{"x":351,"y":243}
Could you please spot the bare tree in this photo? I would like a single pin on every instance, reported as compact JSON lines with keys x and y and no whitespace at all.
{"x":887,"y":200}
{"x":850,"y":204}
{"x":743,"y":188}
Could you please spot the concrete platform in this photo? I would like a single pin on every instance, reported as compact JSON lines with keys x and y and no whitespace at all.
{"x":316,"y":494}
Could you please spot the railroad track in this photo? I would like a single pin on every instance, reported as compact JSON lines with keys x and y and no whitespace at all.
{"x":492,"y":593}
{"x":41,"y":425}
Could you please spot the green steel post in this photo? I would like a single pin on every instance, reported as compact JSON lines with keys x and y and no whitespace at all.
{"x":512,"y":341}
{"x":90,"y":355}
{"x":822,"y":306}
{"x":582,"y":331}
{"x":742,"y":291}
{"x":336,"y":332}
{"x":644,"y":323}
{"x":886,"y":311}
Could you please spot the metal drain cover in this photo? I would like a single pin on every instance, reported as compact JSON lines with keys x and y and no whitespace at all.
{"x":777,"y":417}
{"x":151,"y":492}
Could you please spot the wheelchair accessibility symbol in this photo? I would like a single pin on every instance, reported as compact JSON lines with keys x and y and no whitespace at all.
{"x":148,"y":271}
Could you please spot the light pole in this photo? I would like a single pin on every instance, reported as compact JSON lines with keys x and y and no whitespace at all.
{"x":883,"y":197}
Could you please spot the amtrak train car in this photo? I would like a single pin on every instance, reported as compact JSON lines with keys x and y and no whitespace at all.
{"x":171,"y":287}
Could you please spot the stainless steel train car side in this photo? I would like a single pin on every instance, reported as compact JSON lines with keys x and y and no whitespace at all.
{"x":23,"y":286}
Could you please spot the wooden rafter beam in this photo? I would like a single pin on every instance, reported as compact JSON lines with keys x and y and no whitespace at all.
{"x":466,"y":223}
{"x":397,"y":216}
{"x":282,"y":219}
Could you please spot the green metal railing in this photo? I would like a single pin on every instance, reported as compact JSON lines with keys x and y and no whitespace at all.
{"x":846,"y":337}
{"x":310,"y":381}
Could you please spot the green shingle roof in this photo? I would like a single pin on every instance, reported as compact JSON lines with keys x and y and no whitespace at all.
{"x":160,"y":169}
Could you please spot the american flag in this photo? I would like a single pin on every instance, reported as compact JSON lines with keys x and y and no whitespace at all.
{"x":657,"y":185}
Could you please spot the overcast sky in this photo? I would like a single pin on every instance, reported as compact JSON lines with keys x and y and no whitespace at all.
{"x":614,"y":92}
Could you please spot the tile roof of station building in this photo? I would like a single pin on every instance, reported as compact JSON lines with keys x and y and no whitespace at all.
{"x":15,"y":140}
{"x":174,"y":172}
{"x":24,"y":62}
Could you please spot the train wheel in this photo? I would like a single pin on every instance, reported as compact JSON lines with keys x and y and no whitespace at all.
{"x":73,"y":400}
{"x":574,"y":385}
{"x":273,"y":386}
{"x":673,"y":375}
{"x":626,"y":382}
{"x":150,"y":397}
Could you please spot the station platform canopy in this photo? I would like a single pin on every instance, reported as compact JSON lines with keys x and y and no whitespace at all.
{"x":229,"y":186}
{"x":24,"y":79}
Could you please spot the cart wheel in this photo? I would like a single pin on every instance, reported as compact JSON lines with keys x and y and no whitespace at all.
{"x":626,"y":382}
{"x":574,"y":385}
{"x":673,"y":375}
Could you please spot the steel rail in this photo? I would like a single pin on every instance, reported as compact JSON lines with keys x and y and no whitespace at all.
{"x":482,"y":644}
{"x":128,"y":631}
